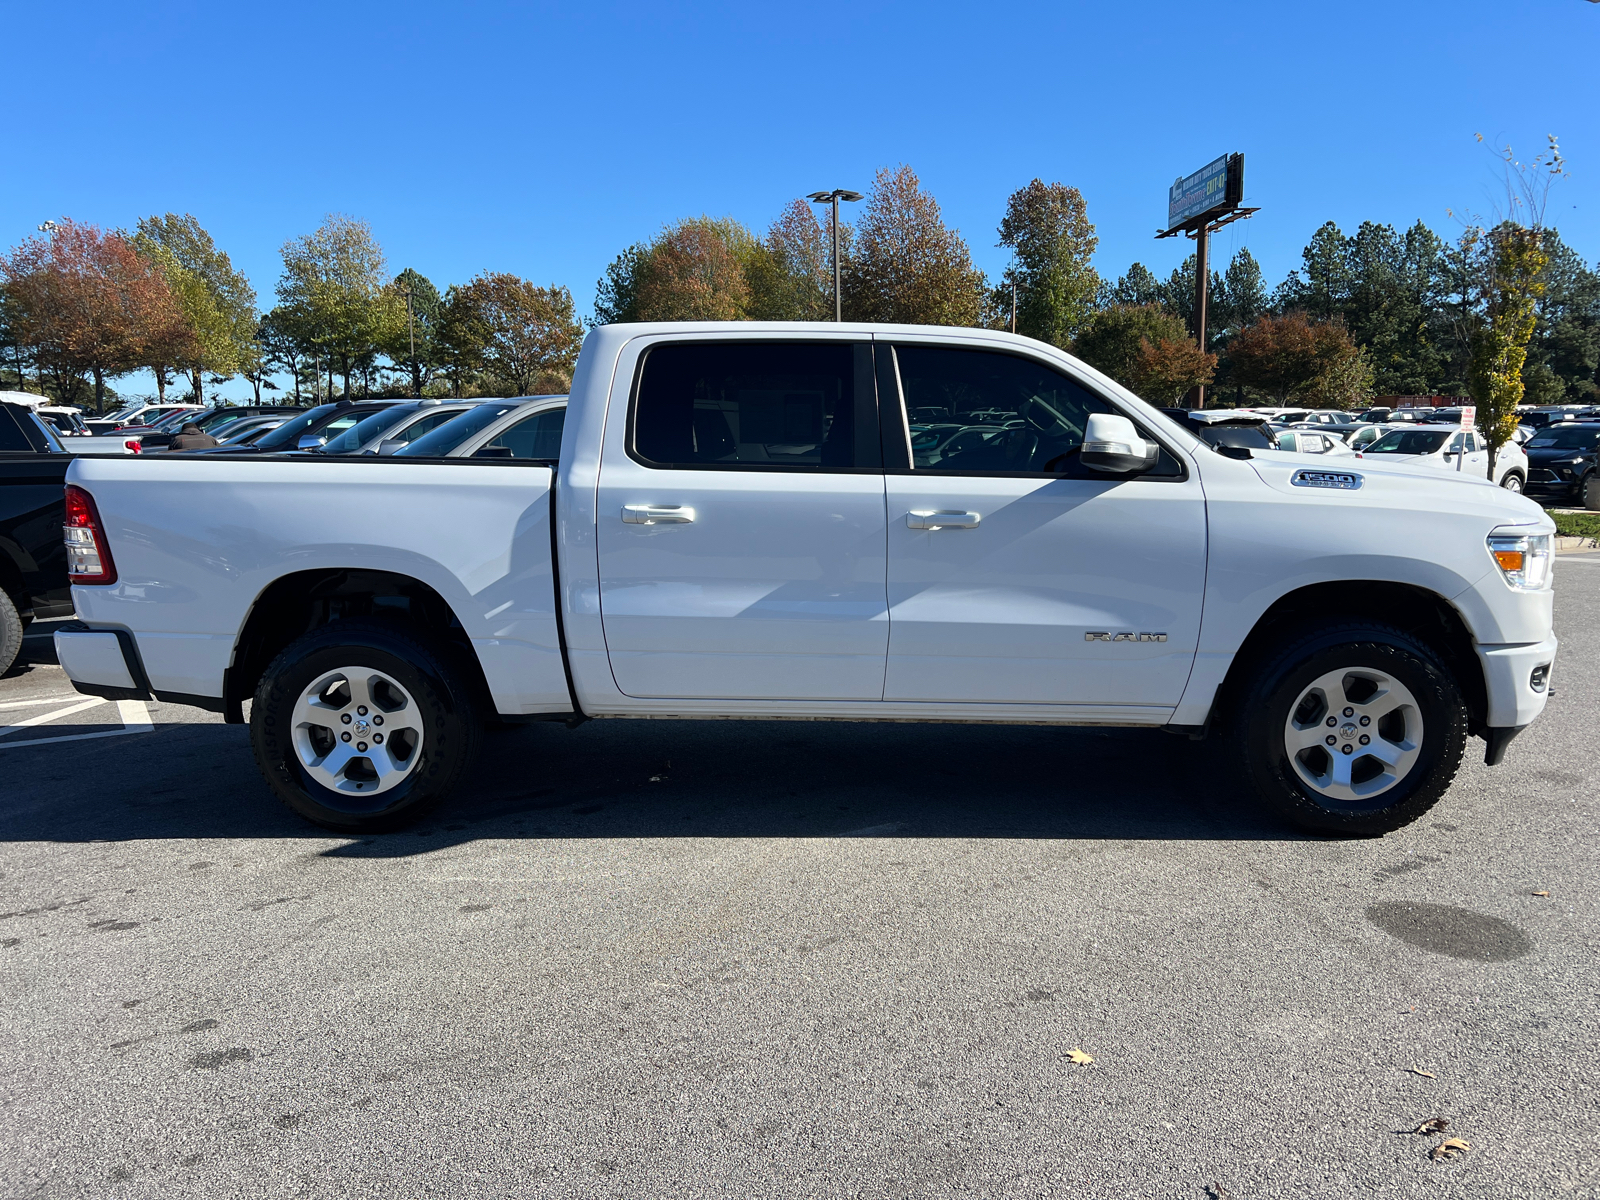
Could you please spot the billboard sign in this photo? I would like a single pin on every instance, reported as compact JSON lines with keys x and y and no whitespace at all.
{"x":1214,"y":188}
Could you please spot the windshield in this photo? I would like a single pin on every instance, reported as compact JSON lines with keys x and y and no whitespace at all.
{"x":1566,"y":439}
{"x":359,"y":434}
{"x":452,"y":434}
{"x":289,"y":432}
{"x":1410,"y":441}
{"x":209,"y":422}
{"x":1250,"y":436}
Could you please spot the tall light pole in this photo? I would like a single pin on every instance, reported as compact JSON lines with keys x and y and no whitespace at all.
{"x":833,"y":198}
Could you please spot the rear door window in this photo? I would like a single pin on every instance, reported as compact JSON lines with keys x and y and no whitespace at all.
{"x":765,"y":406}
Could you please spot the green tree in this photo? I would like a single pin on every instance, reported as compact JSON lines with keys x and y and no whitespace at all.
{"x":1292,"y":357}
{"x":334,"y":290}
{"x":905,"y":265}
{"x":13,"y":352}
{"x":617,"y":293}
{"x":1388,"y":289}
{"x":217,"y":301}
{"x":1145,"y":348}
{"x":463,"y":339}
{"x":412,"y":344}
{"x":86,"y":303}
{"x":1052,"y":242}
{"x":695,"y":271}
{"x":1506,"y":268}
{"x":1135,"y":289}
{"x":1242,"y":296}
{"x":1564,"y":353}
{"x":525,"y":337}
{"x":790,"y":273}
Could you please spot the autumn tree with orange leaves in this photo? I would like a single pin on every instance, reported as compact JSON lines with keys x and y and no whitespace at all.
{"x":86,"y":304}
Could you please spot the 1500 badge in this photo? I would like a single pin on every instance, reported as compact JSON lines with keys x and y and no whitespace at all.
{"x":1093,"y":636}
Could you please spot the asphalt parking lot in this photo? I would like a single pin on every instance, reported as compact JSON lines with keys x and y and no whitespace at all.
{"x":728,"y":959}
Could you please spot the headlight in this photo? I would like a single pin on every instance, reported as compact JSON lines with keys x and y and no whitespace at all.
{"x":1523,"y":558}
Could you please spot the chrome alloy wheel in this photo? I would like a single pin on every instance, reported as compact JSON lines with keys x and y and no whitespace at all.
{"x":357,"y":731}
{"x":1353,"y":734}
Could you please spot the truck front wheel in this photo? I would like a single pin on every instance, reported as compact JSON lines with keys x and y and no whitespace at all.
{"x":360,"y":727}
{"x":1351,"y":729}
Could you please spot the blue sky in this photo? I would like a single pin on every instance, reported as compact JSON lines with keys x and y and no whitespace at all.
{"x":542,"y":139}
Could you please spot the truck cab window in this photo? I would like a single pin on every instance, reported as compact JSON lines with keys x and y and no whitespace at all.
{"x":975,"y":412}
{"x":757,"y":405}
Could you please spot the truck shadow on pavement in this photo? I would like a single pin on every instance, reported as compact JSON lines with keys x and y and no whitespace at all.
{"x":669,"y":779}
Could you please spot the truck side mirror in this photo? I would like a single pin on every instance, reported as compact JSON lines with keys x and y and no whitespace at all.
{"x":1112,"y":446}
{"x":309,"y":441}
{"x":390,"y":445}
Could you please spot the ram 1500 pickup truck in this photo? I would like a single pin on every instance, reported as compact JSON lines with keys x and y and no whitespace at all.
{"x":823,"y":521}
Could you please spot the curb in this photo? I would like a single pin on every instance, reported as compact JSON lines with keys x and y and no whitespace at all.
{"x":1569,"y":545}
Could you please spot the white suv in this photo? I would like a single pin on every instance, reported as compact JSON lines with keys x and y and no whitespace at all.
{"x":1448,"y":448}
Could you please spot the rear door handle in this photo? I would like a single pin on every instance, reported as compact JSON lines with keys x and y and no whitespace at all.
{"x":941,"y":519}
{"x":657,"y":514}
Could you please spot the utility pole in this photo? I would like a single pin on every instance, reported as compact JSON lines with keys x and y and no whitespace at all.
{"x":1202,"y":289}
{"x":834,"y":197}
{"x":1013,"y":304}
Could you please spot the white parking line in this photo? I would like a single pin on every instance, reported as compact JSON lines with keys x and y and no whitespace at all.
{"x":39,"y":700}
{"x":135,"y":719}
{"x":45,"y":718}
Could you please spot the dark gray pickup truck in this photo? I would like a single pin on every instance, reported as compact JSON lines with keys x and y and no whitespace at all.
{"x":33,"y":561}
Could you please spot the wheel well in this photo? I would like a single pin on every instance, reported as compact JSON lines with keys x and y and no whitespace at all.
{"x":1424,"y":615}
{"x":296,"y":604}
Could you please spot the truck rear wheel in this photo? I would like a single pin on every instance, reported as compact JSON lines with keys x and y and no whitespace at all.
{"x":1351,"y":729}
{"x":360,"y":727}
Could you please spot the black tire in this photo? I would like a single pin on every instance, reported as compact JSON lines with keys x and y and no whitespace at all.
{"x":450,"y":725}
{"x":1277,"y":680}
{"x":10,"y":632}
{"x":1513,"y":481}
{"x":1591,"y":492}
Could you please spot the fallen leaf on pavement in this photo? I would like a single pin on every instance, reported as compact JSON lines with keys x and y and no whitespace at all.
{"x":1449,"y":1148}
{"x":1079,"y":1057}
{"x":1420,"y":1071}
{"x":1541,"y":893}
{"x":1433,"y":1125}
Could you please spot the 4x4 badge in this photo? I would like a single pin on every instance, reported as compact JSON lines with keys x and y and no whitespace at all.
{"x":1106,"y":636}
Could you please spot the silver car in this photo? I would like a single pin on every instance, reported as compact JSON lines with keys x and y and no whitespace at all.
{"x":523,"y":427}
{"x":396,"y":427}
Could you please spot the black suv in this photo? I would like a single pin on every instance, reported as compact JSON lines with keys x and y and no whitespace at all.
{"x":1562,"y":463}
{"x":33,"y":558}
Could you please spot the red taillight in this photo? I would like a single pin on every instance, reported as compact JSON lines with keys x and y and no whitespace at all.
{"x":134,"y":445}
{"x":88,"y":556}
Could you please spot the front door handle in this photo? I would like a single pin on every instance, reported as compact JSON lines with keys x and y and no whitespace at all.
{"x":657,"y":514}
{"x":941,"y":519}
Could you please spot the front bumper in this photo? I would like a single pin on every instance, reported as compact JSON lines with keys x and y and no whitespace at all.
{"x":1508,"y":674}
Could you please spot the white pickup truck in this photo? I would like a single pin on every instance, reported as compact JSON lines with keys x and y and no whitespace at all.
{"x":818,"y":521}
